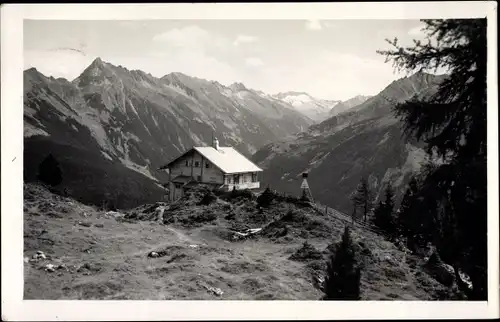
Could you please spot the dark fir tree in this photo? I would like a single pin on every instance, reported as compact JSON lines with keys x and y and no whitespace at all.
{"x":343,"y":275}
{"x":362,"y":197}
{"x":264,"y":199}
{"x":405,"y":214}
{"x":384,"y":212}
{"x":453,"y":125}
{"x":49,"y":171}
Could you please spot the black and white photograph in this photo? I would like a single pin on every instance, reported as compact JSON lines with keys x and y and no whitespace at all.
{"x":294,"y":158}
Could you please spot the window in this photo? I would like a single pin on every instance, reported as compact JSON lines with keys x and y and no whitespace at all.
{"x":178,"y":185}
{"x":236,"y":178}
{"x":254,"y":177}
{"x":197,"y":164}
{"x":187,"y":163}
{"x":207,"y":165}
{"x":199,"y":178}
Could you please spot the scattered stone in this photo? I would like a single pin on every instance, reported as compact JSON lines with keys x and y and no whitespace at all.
{"x":193,"y":246}
{"x":215,"y":290}
{"x":85,"y":224}
{"x":159,"y":213}
{"x":39,"y":255}
{"x":99,"y":225}
{"x":49,"y":268}
{"x":61,"y":266}
{"x":85,"y":268}
{"x":26,"y":259}
{"x":247,"y":233}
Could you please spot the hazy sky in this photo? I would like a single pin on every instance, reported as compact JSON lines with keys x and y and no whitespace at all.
{"x":331,"y":59}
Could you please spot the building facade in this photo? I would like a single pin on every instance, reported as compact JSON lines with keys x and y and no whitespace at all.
{"x":220,"y":167}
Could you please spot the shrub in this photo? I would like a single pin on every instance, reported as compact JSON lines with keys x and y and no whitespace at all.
{"x":208,"y":198}
{"x":343,"y":275}
{"x":234,"y":194}
{"x":306,"y":253}
{"x":265,"y":199}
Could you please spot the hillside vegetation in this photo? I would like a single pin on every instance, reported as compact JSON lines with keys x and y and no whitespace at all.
{"x":204,"y":246}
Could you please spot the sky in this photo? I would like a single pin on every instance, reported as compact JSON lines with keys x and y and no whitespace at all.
{"x":328,"y":59}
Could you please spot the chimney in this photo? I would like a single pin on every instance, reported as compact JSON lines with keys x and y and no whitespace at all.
{"x":216,"y":144}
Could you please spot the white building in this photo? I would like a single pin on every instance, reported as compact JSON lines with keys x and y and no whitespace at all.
{"x":221,"y":167}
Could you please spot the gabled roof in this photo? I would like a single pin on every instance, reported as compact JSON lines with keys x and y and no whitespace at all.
{"x":227,"y":159}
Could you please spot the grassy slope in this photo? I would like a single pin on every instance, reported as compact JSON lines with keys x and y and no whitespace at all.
{"x":257,"y":268}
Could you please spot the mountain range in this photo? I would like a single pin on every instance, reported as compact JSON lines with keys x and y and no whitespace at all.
{"x":112,"y":128}
{"x":364,"y":141}
{"x":111,"y":121}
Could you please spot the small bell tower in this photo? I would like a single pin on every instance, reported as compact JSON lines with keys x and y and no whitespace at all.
{"x":306,"y":191}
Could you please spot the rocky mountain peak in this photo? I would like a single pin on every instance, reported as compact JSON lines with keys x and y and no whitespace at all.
{"x":237,"y":87}
{"x":97,"y":62}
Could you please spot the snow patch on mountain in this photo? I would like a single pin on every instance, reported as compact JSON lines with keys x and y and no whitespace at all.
{"x":314,"y":108}
{"x":297,"y":100}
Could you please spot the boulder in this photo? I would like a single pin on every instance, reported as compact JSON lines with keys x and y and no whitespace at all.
{"x":441,"y":271}
{"x":49,"y":268}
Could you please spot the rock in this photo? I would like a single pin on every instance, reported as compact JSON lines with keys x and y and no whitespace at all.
{"x":114,"y":214}
{"x":49,"y":268}
{"x":61,"y":266}
{"x":39,"y":252}
{"x":159,"y":213}
{"x":85,"y":224}
{"x":26,"y":259}
{"x":441,"y":271}
{"x":193,"y":246}
{"x":99,"y":225}
{"x":39,"y":255}
{"x":87,"y":268}
{"x":153,"y":254}
{"x":215,"y":290}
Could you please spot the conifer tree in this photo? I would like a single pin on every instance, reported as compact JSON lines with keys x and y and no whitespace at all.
{"x":453,"y":125}
{"x":362,"y":197}
{"x":264,"y":200}
{"x":384,"y":212}
{"x":405,"y":214}
{"x":343,"y":275}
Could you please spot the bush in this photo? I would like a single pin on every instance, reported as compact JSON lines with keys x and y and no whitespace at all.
{"x":234,"y":194}
{"x":49,"y":171}
{"x":208,"y":198}
{"x":265,"y":199}
{"x":306,"y":253}
{"x":343,"y":275}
